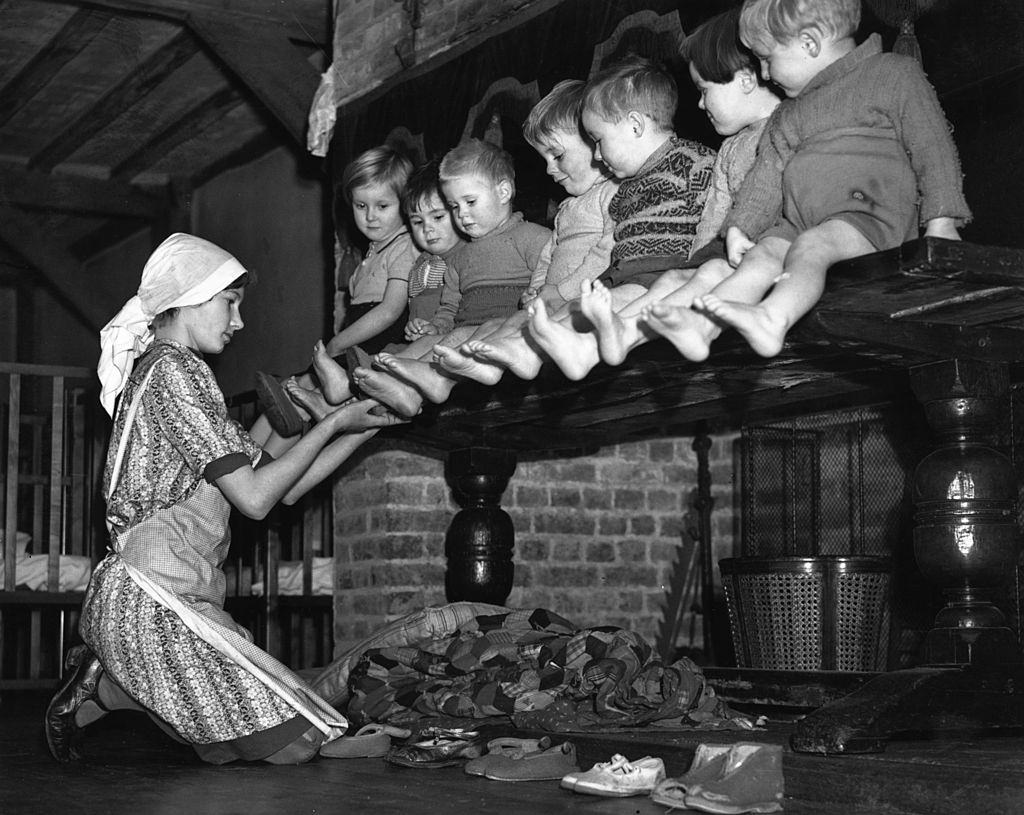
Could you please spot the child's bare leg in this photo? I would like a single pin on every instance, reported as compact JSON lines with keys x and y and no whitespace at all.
{"x":764,"y":325}
{"x":688,"y":325}
{"x":574,"y":352}
{"x":672,"y":316}
{"x":427,"y":378}
{"x":334,"y":382}
{"x":404,"y":399}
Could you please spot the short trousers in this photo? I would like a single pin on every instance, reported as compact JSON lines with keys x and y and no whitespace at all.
{"x":483,"y":303}
{"x":858,"y":176}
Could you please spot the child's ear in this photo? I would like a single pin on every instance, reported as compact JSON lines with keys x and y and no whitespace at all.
{"x":504,"y":191}
{"x":637,"y":122}
{"x":810,"y":41}
{"x":748,"y":80}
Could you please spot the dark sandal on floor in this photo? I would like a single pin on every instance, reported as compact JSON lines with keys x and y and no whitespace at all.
{"x":438,"y":747}
{"x":280,"y":411}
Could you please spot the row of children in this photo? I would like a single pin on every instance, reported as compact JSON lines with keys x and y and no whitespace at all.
{"x":659,"y":236}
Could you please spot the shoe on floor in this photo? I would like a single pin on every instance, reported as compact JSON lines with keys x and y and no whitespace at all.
{"x":370,"y":741}
{"x":545,"y":765}
{"x":506,"y":746}
{"x":618,"y":778}
{"x":708,"y":764}
{"x":80,"y":684}
{"x":278,"y":407}
{"x":438,"y":747}
{"x":751,"y":781}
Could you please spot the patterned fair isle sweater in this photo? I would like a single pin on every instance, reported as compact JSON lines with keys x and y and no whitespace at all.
{"x":657,"y":210}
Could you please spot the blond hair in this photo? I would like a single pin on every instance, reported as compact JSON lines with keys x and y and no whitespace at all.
{"x":637,"y":84}
{"x":765,"y":22}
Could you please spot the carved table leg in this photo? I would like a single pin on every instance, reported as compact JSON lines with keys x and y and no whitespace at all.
{"x":965,"y":540}
{"x":480,"y":538}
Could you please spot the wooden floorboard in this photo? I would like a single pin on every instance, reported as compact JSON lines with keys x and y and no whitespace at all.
{"x":132,"y":768}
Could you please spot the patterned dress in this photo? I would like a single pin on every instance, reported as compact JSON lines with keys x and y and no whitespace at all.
{"x":168,"y":527}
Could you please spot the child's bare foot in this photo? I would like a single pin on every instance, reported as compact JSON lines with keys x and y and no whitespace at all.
{"x":513,"y":353}
{"x":387,"y":389}
{"x":334,"y":383}
{"x":575,"y":353}
{"x":457,"y":362}
{"x":421,"y":375}
{"x":614,"y":336}
{"x":308,"y":400}
{"x":763,"y":330}
{"x":682,"y":326}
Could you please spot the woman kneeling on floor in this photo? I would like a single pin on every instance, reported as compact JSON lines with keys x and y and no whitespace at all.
{"x":157,"y":636}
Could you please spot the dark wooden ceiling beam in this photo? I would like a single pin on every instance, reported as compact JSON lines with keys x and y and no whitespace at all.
{"x":24,"y":234}
{"x":184,"y":128}
{"x":135,"y":85}
{"x":76,"y":194}
{"x":73,"y":37}
{"x":275,"y":70}
{"x":303,"y":20}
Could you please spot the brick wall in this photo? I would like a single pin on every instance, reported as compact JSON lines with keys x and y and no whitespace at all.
{"x":596,"y":535}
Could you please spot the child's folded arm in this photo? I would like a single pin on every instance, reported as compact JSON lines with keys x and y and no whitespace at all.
{"x":451,"y":297}
{"x":933,"y":154}
{"x":376,"y":320}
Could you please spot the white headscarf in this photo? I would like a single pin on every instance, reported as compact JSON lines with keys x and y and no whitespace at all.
{"x":182,"y":271}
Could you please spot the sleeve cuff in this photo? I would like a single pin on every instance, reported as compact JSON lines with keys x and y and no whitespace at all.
{"x":224,"y":465}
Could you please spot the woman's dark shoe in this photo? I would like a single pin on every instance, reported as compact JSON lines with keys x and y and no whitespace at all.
{"x":280,"y":410}
{"x":83,"y":674}
{"x":438,"y":747}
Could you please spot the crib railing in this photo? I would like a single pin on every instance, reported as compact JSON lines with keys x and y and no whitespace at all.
{"x":280,"y":571}
{"x":52,"y":438}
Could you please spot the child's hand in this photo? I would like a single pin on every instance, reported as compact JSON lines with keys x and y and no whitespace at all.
{"x":736,"y":245}
{"x":942,"y":228}
{"x":427,"y":329}
{"x":528,"y":297}
{"x":333,"y":349}
{"x":415,"y":328}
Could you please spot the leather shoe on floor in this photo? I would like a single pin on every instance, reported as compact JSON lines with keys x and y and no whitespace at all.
{"x":438,"y":747}
{"x":83,"y":675}
{"x":751,"y":781}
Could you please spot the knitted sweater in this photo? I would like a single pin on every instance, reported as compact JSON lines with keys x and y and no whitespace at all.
{"x":657,"y":210}
{"x":505,"y":257}
{"x":735,"y":157}
{"x":581,"y":243}
{"x":866,"y":89}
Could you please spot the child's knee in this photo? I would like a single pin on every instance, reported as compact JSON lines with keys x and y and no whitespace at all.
{"x":714,"y":271}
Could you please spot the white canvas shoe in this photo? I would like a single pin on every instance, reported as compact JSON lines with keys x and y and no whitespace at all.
{"x":618,"y":778}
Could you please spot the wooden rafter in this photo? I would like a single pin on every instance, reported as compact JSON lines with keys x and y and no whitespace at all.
{"x":135,"y":85}
{"x":24,"y":235}
{"x":274,"y":69}
{"x":301,"y":20}
{"x":72,"y":39}
{"x":184,"y":128}
{"x":75,"y":194}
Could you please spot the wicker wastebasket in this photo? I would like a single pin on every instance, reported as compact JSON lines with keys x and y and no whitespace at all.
{"x":808,"y":613}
